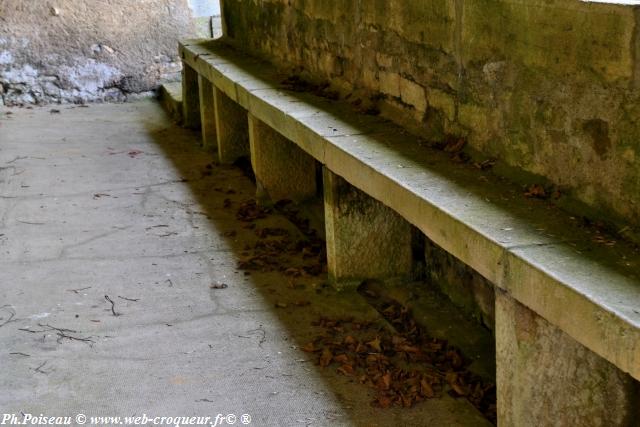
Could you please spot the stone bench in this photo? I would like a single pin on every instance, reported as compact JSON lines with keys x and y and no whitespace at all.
{"x":567,"y":306}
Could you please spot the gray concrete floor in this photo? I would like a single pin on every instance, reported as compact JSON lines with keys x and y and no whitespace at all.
{"x":112,"y":200}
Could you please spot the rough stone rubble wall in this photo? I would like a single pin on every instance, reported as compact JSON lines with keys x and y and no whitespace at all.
{"x":88,"y":50}
{"x":548,"y":87}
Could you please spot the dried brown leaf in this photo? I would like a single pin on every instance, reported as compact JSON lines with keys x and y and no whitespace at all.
{"x":375,"y":344}
{"x":326,"y":357}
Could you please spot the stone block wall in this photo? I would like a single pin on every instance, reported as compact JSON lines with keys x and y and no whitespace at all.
{"x":549,"y":88}
{"x":88,"y":50}
{"x":465,"y":287}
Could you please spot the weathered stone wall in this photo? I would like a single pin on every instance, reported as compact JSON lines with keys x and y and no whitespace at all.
{"x":86,"y":50}
{"x":548,"y":87}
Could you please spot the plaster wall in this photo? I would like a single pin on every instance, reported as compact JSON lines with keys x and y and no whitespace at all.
{"x":205,"y":7}
{"x":549,"y":88}
{"x":88,"y":50}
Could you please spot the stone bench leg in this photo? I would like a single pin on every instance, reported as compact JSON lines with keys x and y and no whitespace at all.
{"x":190,"y":98}
{"x":545,"y":378}
{"x":231,"y":128}
{"x":207,"y":114}
{"x":365,"y":239}
{"x":282,"y":169}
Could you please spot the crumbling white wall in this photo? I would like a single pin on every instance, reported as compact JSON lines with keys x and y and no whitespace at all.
{"x":205,"y":7}
{"x":88,"y":50}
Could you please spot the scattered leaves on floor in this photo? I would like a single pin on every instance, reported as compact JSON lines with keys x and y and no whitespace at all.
{"x":484,"y":165}
{"x":402,"y":367}
{"x":277,"y":247}
{"x":536,"y":191}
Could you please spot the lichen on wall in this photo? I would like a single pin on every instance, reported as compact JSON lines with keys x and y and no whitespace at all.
{"x":88,"y":50}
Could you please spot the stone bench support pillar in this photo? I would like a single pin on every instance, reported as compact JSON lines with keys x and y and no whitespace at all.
{"x":231,"y":128}
{"x":365,"y":239}
{"x":546,"y":378}
{"x":190,"y":98}
{"x":283,"y":170}
{"x":207,"y":114}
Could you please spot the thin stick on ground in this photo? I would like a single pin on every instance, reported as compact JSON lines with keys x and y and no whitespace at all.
{"x":39,"y":370}
{"x":262,"y":332}
{"x":62,"y":333}
{"x":113,"y":305}
{"x":12,"y":314}
{"x":77,"y":291}
{"x":54,"y":328}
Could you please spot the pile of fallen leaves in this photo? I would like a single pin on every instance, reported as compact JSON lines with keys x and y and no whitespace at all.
{"x":276,"y":247}
{"x":312,"y":248}
{"x":403,"y":367}
{"x":250,"y":211}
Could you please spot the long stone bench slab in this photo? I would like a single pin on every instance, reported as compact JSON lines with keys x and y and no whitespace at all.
{"x":536,"y":255}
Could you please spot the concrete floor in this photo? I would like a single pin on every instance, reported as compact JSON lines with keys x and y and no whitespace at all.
{"x":113,"y":200}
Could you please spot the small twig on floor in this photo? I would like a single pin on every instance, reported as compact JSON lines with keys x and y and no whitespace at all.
{"x":261,"y":331}
{"x":155,"y":226}
{"x":77,"y":291}
{"x":18,"y":353}
{"x":10,"y":319}
{"x":113,"y":305}
{"x":172,"y":233}
{"x":62,"y":335}
{"x":129,"y":299}
{"x":48,"y":327}
{"x":12,"y":314}
{"x":31,"y":223}
{"x":38,"y":369}
{"x":53,"y":328}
